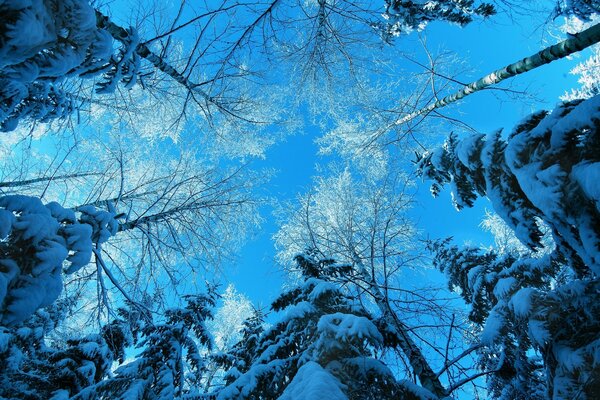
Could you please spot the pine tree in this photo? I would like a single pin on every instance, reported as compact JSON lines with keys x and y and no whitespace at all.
{"x":405,"y":16}
{"x":545,"y":171}
{"x":33,"y":369}
{"x":46,"y":43}
{"x":487,"y":281}
{"x":239,"y":359}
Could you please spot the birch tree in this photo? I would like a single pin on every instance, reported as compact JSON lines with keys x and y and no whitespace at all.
{"x":176,"y":216}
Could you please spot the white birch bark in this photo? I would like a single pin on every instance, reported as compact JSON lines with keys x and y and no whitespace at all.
{"x":560,"y":50}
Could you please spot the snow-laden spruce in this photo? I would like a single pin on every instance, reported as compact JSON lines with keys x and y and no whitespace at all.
{"x":42,"y":44}
{"x":38,"y":244}
{"x":322,"y":347}
{"x":133,"y":356}
{"x":539,"y":315}
{"x":406,"y":16}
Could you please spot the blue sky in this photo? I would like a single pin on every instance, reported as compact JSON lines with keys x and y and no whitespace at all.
{"x":485,"y":46}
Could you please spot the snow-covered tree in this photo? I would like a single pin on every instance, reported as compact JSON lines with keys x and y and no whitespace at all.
{"x":230,"y":328}
{"x":363,"y":222}
{"x":173,"y":206}
{"x":486,"y":281}
{"x":39,"y":365}
{"x":37,"y":240}
{"x":323,"y":347}
{"x":582,"y":9}
{"x":545,"y":170}
{"x":239,"y":358}
{"x":170,"y":364}
{"x":45,"y":42}
{"x":588,"y":71}
{"x":406,"y":16}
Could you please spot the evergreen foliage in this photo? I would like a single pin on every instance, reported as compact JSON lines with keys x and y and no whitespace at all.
{"x":583,"y":9}
{"x":170,"y":364}
{"x":36,"y":240}
{"x":32,"y":369}
{"x":534,"y":312}
{"x":405,"y":16}
{"x":323,"y":336}
{"x":538,"y":313}
{"x":43,"y":43}
{"x":239,"y":359}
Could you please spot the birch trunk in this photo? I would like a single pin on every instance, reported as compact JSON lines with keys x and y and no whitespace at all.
{"x":119,"y":33}
{"x":560,"y":50}
{"x":47,"y":179}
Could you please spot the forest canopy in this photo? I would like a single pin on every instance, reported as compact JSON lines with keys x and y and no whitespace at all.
{"x":167,"y":167}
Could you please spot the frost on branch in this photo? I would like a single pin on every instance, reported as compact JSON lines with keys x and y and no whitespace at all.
{"x":406,"y":16}
{"x":38,"y":244}
{"x":582,"y":9}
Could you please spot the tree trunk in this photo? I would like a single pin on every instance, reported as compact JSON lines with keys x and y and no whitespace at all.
{"x":560,"y":50}
{"x":48,"y":179}
{"x":428,"y":378}
{"x":121,"y":34}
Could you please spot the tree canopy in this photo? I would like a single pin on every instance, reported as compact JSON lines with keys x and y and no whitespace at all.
{"x":137,"y":169}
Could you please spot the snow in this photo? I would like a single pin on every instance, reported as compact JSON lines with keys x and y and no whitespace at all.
{"x":579,"y":118}
{"x":52,"y":235}
{"x":366,"y":365}
{"x":7,"y":219}
{"x":247,"y":382}
{"x":49,"y":256}
{"x":9,"y":270}
{"x":504,"y":286}
{"x":60,"y":213}
{"x":466,"y":151}
{"x":346,"y":326}
{"x":24,"y":300}
{"x":320,"y":288}
{"x":36,"y":227}
{"x":494,"y":323}
{"x":538,"y":332}
{"x":299,"y":310}
{"x":568,"y":358}
{"x":312,"y":382}
{"x":420,"y":392}
{"x":79,"y":241}
{"x":4,"y":340}
{"x":587,"y":175}
{"x":521,"y":302}
{"x":21,"y":204}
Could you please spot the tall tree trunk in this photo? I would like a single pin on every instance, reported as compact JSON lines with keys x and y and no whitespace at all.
{"x":48,"y":179}
{"x":121,"y":34}
{"x":428,"y":378}
{"x":560,"y":50}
